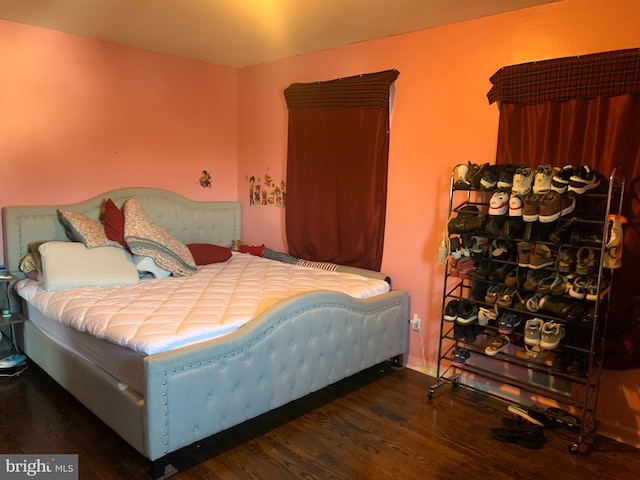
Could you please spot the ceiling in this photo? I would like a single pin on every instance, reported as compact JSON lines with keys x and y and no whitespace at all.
{"x":239,"y":33}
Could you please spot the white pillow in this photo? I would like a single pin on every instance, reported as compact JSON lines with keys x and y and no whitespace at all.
{"x":71,"y":264}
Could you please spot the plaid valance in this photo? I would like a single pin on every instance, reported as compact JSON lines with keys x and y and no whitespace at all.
{"x":605,"y":74}
{"x":369,"y":90}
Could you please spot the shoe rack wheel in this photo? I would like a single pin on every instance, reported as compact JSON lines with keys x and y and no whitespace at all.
{"x":431,"y":394}
{"x":574,"y":448}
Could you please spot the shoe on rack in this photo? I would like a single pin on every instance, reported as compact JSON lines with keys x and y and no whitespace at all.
{"x":467,"y":312}
{"x":465,"y":266}
{"x":541,"y":257}
{"x":463,"y":174}
{"x":474,"y":181}
{"x":565,"y":261}
{"x":531,"y":280}
{"x":458,"y":331}
{"x":542,"y":179}
{"x":522,"y":181}
{"x":493,"y":293}
{"x":585,"y":260}
{"x":560,"y":180}
{"x":499,"y":203}
{"x":472,"y":331}
{"x":578,"y":288}
{"x":512,"y":279}
{"x":553,"y":284}
{"x":451,"y":310}
{"x":554,"y":205}
{"x":515,"y":206}
{"x":524,"y":251}
{"x":531,"y":207}
{"x":459,"y":356}
{"x":583,"y":180}
{"x":506,"y":174}
{"x":496,"y":344}
{"x":592,"y":289}
{"x":489,"y":177}
{"x":486,"y":315}
{"x":533,"y":331}
{"x":551,"y":334}
{"x":563,"y":231}
{"x":508,"y":322}
{"x":533,"y":302}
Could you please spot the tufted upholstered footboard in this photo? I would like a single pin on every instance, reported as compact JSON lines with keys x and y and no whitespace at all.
{"x":309,"y":342}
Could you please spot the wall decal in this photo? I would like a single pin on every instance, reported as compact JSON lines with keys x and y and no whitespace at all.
{"x":266,"y":191}
{"x":205,"y":179}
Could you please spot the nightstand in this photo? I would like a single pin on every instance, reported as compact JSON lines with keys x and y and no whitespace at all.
{"x":8,"y":319}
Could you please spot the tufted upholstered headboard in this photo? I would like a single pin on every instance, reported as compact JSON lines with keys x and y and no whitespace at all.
{"x":189,"y":221}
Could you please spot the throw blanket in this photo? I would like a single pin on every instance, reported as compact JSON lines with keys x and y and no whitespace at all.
{"x":158,"y":315}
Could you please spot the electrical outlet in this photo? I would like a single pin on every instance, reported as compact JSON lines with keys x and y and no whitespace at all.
{"x":415,"y":323}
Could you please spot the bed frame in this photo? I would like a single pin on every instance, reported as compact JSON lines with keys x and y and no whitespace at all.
{"x":295,"y":348}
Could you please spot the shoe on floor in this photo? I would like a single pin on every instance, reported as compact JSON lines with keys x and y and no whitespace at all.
{"x":530,"y":438}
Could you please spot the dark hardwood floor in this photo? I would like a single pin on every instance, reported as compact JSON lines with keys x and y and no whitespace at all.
{"x":375,"y":425}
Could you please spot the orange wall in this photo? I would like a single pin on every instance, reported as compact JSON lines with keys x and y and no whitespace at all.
{"x":80,"y":116}
{"x":441,"y":117}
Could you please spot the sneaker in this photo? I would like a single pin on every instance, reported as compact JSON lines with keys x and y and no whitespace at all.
{"x":467,"y":312}
{"x":496,"y":344}
{"x":460,"y":356}
{"x":489,"y":177}
{"x":515,"y":206}
{"x":583,"y":180}
{"x":522,"y":181}
{"x":560,"y":180}
{"x":554,"y":205}
{"x":542,"y":180}
{"x":505,"y":176}
{"x":508,"y":322}
{"x":550,"y":335}
{"x":531,"y":207}
{"x":499,"y":203}
{"x":533,"y":331}
{"x":471,"y":332}
{"x":451,"y":310}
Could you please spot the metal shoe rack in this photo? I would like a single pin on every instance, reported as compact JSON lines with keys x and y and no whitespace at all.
{"x":515,"y":375}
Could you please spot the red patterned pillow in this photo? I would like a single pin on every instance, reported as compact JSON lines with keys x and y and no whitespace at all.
{"x":114,"y":223}
{"x":206,"y":253}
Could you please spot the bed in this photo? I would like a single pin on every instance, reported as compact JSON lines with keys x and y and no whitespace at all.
{"x":177,"y":397}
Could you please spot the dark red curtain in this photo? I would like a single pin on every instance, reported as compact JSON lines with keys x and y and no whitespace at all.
{"x":338,"y":147}
{"x":583,"y":110}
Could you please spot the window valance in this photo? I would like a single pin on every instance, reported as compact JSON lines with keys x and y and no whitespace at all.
{"x":605,"y":74}
{"x":369,"y":90}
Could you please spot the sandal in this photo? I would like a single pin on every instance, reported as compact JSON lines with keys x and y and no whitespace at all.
{"x":508,"y":322}
{"x":493,"y":293}
{"x":555,"y":414}
{"x":565,"y":260}
{"x":496,"y":344}
{"x":506,"y":297}
{"x":585,"y":260}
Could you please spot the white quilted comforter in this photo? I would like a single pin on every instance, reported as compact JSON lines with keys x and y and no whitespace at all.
{"x":159,"y":315}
